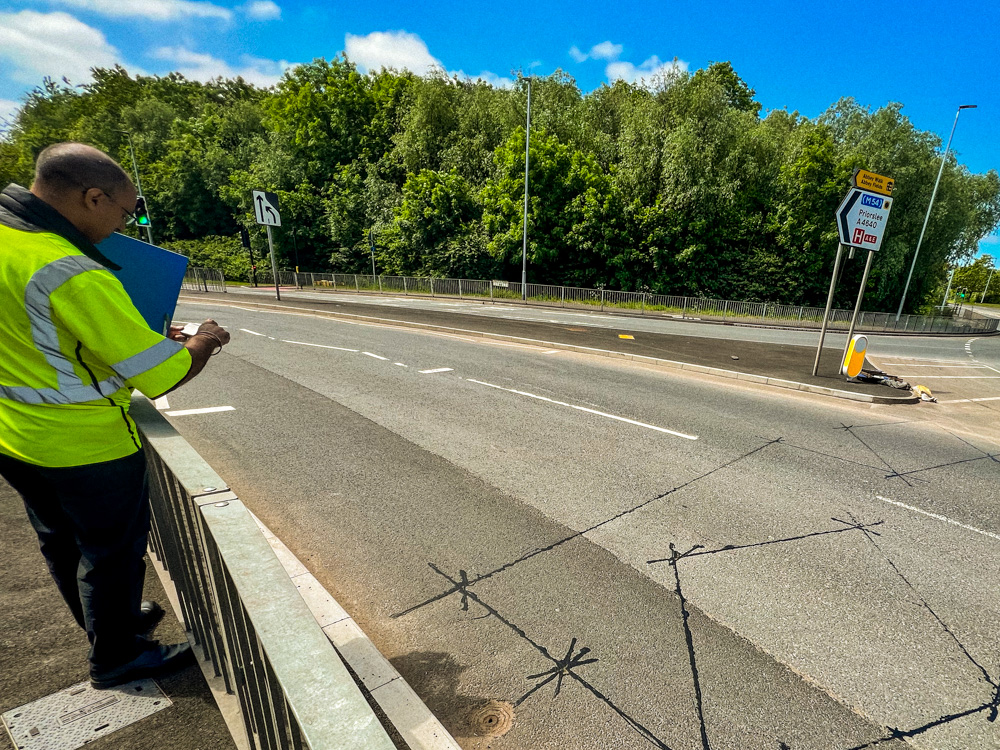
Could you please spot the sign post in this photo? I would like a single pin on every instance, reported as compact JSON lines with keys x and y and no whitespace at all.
{"x":829,"y":304}
{"x":861,"y":220}
{"x":265,"y":207}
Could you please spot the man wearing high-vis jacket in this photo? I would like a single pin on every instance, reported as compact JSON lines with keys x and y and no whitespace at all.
{"x":72,"y":348}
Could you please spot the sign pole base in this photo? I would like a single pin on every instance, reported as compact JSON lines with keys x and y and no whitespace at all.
{"x":274,"y":264}
{"x":829,"y":304}
{"x":857,"y":306}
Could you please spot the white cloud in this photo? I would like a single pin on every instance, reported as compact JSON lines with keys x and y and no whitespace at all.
{"x":606,"y":51}
{"x":646,"y":73}
{"x":402,"y":50}
{"x":151,"y":10}
{"x":200,"y":66}
{"x":390,"y":49}
{"x":262,"y":10}
{"x":53,"y":44}
{"x":8,"y":108}
{"x":487,"y":77}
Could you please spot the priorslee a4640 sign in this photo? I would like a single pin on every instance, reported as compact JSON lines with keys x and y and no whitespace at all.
{"x":862,"y":217}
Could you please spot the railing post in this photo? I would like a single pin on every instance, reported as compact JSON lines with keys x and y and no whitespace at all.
{"x":800,"y":315}
{"x":460,"y":289}
{"x":602,"y":299}
{"x":491,"y":291}
{"x":725,"y":309}
{"x":684,"y":307}
{"x":563,"y":302}
{"x":642,"y":308}
{"x":357,"y":287}
{"x":380,"y":283}
{"x":405,"y":292}
{"x":432,"y":286}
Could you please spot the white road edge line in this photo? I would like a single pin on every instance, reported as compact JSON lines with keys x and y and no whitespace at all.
{"x":585,"y":409}
{"x":969,"y":400}
{"x":320,"y":346}
{"x":439,"y":369}
{"x":910,"y":364}
{"x":949,"y":377}
{"x":207,"y":410}
{"x":369,"y":354}
{"x":161,"y":403}
{"x":938,"y":517}
{"x":247,"y":330}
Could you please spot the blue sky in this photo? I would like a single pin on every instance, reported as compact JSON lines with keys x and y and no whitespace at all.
{"x":801,"y":56}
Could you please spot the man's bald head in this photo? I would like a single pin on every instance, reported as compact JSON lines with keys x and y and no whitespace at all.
{"x":65,"y":167}
{"x":86,"y":186}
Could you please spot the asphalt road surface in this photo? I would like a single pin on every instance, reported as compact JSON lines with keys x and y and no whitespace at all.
{"x":628,"y":557}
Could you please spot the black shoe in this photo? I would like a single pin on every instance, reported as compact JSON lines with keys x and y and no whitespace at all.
{"x":155,"y":661}
{"x":150,"y":614}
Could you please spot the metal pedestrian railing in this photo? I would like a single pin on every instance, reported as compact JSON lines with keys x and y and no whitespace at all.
{"x":203,"y":280}
{"x":248,"y":622}
{"x":642,"y":303}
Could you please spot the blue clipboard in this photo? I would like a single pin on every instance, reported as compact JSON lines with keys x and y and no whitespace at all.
{"x":151,"y":276}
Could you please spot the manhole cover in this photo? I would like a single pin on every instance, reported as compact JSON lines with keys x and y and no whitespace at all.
{"x":493,"y":719}
{"x":79,"y":715}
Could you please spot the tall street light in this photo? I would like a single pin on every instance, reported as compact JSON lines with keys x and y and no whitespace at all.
{"x":988,"y":280}
{"x":138,"y":182}
{"x":524,"y":247}
{"x":937,"y":182}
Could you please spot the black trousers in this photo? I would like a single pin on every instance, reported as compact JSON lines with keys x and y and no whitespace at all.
{"x":92,"y":523}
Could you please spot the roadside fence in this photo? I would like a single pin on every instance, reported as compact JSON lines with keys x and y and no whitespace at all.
{"x":203,"y":280}
{"x":279,"y":682}
{"x":642,"y":303}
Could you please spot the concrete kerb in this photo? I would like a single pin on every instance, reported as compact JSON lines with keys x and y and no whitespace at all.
{"x":419,"y":728}
{"x":653,"y":361}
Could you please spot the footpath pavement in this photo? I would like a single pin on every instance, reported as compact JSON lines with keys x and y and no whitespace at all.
{"x":43,"y":651}
{"x":779,"y":365}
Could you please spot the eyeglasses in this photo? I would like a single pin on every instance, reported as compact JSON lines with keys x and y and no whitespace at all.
{"x":130,"y":214}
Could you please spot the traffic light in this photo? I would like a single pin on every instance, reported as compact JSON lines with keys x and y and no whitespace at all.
{"x":141,"y":214}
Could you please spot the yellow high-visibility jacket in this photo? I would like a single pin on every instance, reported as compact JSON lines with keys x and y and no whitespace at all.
{"x":72,"y":344}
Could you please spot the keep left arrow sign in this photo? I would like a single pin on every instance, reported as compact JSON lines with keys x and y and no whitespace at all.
{"x":266,"y":209}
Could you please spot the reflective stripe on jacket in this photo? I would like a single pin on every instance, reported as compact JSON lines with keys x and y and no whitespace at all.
{"x":72,"y":348}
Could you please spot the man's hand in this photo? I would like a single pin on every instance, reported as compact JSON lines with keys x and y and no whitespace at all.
{"x":176,"y":333}
{"x":213,"y":329}
{"x":209,"y":340}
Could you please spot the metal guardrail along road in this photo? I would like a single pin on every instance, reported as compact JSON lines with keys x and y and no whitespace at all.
{"x":245,"y":615}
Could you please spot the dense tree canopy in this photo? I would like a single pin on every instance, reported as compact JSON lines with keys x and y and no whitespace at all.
{"x":681,"y":187}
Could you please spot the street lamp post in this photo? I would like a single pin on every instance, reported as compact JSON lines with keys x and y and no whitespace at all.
{"x":988,"y":280}
{"x":524,"y":247}
{"x":138,"y":182}
{"x":937,"y":182}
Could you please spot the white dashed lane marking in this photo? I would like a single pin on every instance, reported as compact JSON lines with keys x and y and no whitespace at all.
{"x":585,"y":409}
{"x":207,"y":410}
{"x":439,"y":369}
{"x":376,"y":356}
{"x":319,"y":346}
{"x":938,"y":517}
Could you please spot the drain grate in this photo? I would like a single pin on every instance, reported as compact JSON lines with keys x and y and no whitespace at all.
{"x":494,"y":719}
{"x":79,"y":714}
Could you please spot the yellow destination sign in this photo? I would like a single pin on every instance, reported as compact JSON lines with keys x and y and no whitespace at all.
{"x":877,"y":183}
